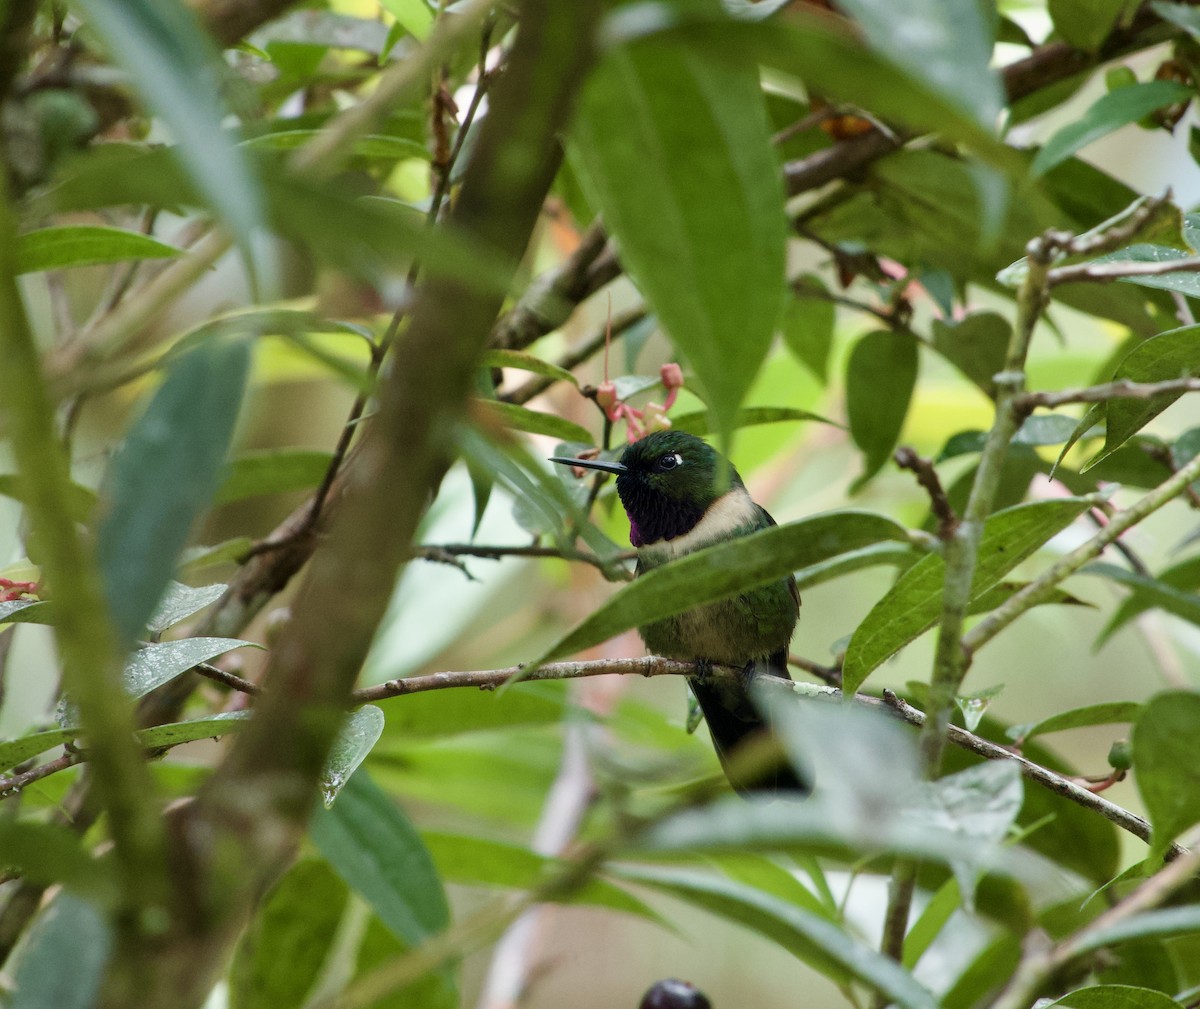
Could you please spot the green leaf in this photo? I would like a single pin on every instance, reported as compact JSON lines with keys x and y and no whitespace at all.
{"x":1091,"y":714}
{"x":357,"y":736}
{"x":280,"y":957}
{"x":855,"y":560}
{"x":1116,"y":996}
{"x":1181,"y":15}
{"x":179,"y":602}
{"x":1173,"y":354}
{"x":17,"y":751}
{"x":808,"y":326}
{"x":477,"y":861}
{"x":725,"y":569}
{"x":271,"y":471}
{"x":444,"y":713}
{"x":164,"y":475}
{"x":676,"y":153}
{"x":793,"y":928}
{"x":976,"y":345}
{"x":209,"y":727}
{"x":167,"y":53}
{"x":373,"y":145}
{"x":1147,"y":925}
{"x":201,"y":558}
{"x":880,"y":377}
{"x":1085,"y":24}
{"x":1108,"y":113}
{"x":413,"y":15}
{"x":161,"y":662}
{"x":947,"y":47}
{"x":39,"y":980}
{"x":10,"y":611}
{"x":1040,"y":429}
{"x":1168,"y":764}
{"x":81,"y":500}
{"x":1173,"y":589}
{"x":930,"y":923}
{"x":48,"y":853}
{"x":912,"y":605}
{"x":85,"y":245}
{"x":747,"y":416}
{"x":372,"y":845}
{"x":525,"y":362}
{"x":511,"y":415}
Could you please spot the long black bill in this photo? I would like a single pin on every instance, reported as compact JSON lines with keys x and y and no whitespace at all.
{"x":607,"y":467}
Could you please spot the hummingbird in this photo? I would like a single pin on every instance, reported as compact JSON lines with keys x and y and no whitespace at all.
{"x":680,"y":494}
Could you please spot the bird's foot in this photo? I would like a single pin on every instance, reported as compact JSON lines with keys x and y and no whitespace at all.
{"x":704,"y":669}
{"x":747,"y":675}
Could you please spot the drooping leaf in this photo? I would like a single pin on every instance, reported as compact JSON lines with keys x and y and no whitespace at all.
{"x":280,"y":957}
{"x":808,"y":324}
{"x":358,"y":735}
{"x":273,"y":471}
{"x":976,"y":345}
{"x":535,"y":422}
{"x":675,"y":151}
{"x":168,"y":55}
{"x":880,"y":377}
{"x":39,"y":980}
{"x":1108,"y":113}
{"x":372,"y":845}
{"x":160,"y":662}
{"x":1178,"y":599}
{"x":728,"y":568}
{"x":164,"y":475}
{"x":525,"y":362}
{"x":85,"y":245}
{"x":17,"y":751}
{"x":912,"y":605}
{"x":179,"y":602}
{"x":1168,"y":764}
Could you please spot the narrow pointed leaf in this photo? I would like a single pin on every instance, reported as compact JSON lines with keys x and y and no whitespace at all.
{"x":525,"y":362}
{"x":1159,"y":924}
{"x":1116,"y":996}
{"x":164,"y":475}
{"x":535,"y":422}
{"x":180,"y":601}
{"x":1114,"y":712}
{"x":159,"y":663}
{"x":675,"y":151}
{"x":85,"y":245}
{"x":1173,"y":590}
{"x":17,"y":751}
{"x":912,"y":605}
{"x":174,"y":733}
{"x":723,"y":570}
{"x":354,"y":742}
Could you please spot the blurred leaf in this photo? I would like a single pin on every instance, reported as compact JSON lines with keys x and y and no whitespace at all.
{"x":930,"y":922}
{"x":372,"y":845}
{"x":1040,"y":429}
{"x":880,"y":376}
{"x":271,"y":471}
{"x":413,"y":15}
{"x":161,"y":662}
{"x":945,"y":46}
{"x":1116,"y":996}
{"x":17,"y":751}
{"x":1108,"y":113}
{"x":1085,"y":24}
{"x":976,"y":345}
{"x":1181,"y":15}
{"x":179,"y":602}
{"x":912,"y":605}
{"x":747,"y":416}
{"x":164,"y":475}
{"x":525,"y":362}
{"x":1173,"y":354}
{"x":725,"y":569}
{"x":197,"y":559}
{"x":46,"y":854}
{"x":210,"y":727}
{"x":85,"y":245}
{"x":677,"y":155}
{"x":166,"y":52}
{"x":1168,"y":764}
{"x":12,"y":611}
{"x":1147,"y":925}
{"x":986,"y":974}
{"x":1091,"y":714}
{"x":767,"y":876}
{"x":1147,"y":964}
{"x":39,"y":980}
{"x":370,"y":146}
{"x":808,"y":325}
{"x":812,"y":938}
{"x":477,"y":861}
{"x":355,"y":740}
{"x":855,"y":560}
{"x":281,"y":956}
{"x":533,"y":422}
{"x":1172,"y":589}
{"x":81,"y":500}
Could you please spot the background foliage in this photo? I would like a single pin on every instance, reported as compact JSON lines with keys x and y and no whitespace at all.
{"x":294,"y":301}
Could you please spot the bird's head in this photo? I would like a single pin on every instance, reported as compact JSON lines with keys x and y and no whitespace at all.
{"x":666,"y":481}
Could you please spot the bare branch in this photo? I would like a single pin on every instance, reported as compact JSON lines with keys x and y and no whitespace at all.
{"x":907,"y":458}
{"x":1121,"y":389}
{"x":1103,"y":273}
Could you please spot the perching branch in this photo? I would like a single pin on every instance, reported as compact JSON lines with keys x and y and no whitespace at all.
{"x":1104,"y":273}
{"x":1121,"y":389}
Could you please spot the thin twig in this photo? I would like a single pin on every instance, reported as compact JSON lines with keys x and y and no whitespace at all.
{"x":1104,"y":273}
{"x":494,"y":553}
{"x":1120,"y":389}
{"x":907,"y":458}
{"x":11,"y":786}
{"x":228,"y":679}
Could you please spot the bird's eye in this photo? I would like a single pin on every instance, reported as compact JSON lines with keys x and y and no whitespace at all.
{"x":670,"y":462}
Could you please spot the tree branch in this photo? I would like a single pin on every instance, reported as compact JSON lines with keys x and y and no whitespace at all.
{"x":1121,"y":389}
{"x":1104,"y":273}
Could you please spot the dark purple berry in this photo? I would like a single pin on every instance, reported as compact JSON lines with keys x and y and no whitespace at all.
{"x":674,"y":994}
